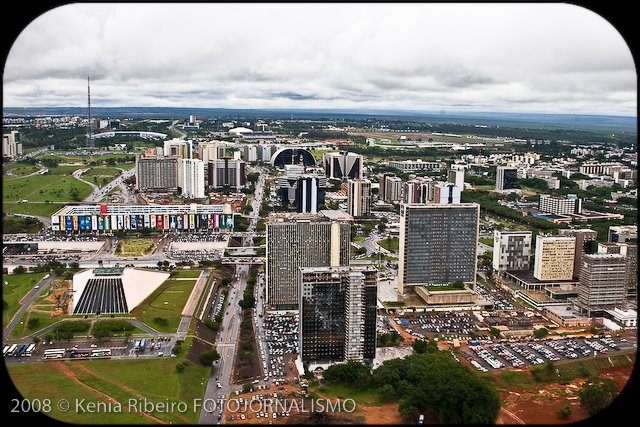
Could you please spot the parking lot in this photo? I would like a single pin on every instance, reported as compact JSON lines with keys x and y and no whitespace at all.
{"x":499,"y":302}
{"x":281,"y":338}
{"x":456,"y":323}
{"x":517,"y":353}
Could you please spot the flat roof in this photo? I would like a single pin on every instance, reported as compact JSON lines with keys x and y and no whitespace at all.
{"x":564,"y":311}
{"x":193,"y":208}
{"x":527,"y":277}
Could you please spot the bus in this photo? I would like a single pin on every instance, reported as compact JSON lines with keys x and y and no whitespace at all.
{"x":20,"y":350}
{"x":12,"y":350}
{"x":54,"y":353}
{"x":5,"y":350}
{"x":143,"y":344}
{"x":102,"y":352}
{"x":29,"y":350}
{"x":80,"y":354}
{"x":137,"y":346}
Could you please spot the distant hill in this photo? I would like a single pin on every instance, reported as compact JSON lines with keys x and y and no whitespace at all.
{"x":513,"y":120}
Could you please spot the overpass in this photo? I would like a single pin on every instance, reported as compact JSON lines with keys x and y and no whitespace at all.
{"x":141,"y":133}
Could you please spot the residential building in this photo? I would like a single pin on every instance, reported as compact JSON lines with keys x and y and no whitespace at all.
{"x":559,"y":205}
{"x":585,"y":244}
{"x":506,"y":178}
{"x":226,"y":172}
{"x":602,"y":283}
{"x":418,"y":190}
{"x":554,"y":258}
{"x":157,"y":174}
{"x":193,"y":179}
{"x":415,"y":165}
{"x":630,"y":252}
{"x":11,"y":145}
{"x":337,"y":314}
{"x":622,"y":233}
{"x":178,"y":147}
{"x":438,"y":244}
{"x":445,"y":193}
{"x":393,"y":189}
{"x":455,"y":176}
{"x":359,"y":197}
{"x":212,"y":150}
{"x":343,"y":165}
{"x":511,"y":250}
{"x":295,"y":241}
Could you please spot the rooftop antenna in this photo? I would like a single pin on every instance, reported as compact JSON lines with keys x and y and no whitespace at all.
{"x":89,"y":127}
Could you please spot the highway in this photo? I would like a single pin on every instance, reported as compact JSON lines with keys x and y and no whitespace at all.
{"x":26,"y":301}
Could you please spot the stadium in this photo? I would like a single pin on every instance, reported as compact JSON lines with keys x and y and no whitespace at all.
{"x":113,"y":290}
{"x":133,"y":217}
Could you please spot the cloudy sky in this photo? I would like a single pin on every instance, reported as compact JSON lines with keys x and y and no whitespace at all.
{"x":554,"y":58}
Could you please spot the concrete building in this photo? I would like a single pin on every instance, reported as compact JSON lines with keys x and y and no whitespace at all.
{"x":415,"y":165}
{"x":157,"y":174}
{"x":337,"y":314}
{"x":622,"y":233}
{"x":602,"y":283}
{"x":585,"y":244}
{"x":359,"y":197}
{"x":445,"y":193}
{"x":212,"y":150}
{"x":193,"y":179}
{"x":304,"y":191}
{"x":343,"y":165}
{"x":392,"y":189}
{"x":226,"y":172}
{"x":178,"y":147}
{"x":554,"y":258}
{"x":295,"y":241}
{"x":600,"y":168}
{"x":511,"y":250}
{"x":438,"y":244}
{"x":568,"y":205}
{"x":630,"y":252}
{"x":455,"y":176}
{"x":506,"y":178}
{"x":11,"y":145}
{"x":418,"y":190}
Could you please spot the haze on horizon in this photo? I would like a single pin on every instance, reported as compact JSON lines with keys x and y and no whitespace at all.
{"x":537,"y":58}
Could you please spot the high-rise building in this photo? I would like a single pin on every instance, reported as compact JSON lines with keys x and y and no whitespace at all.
{"x":445,"y":193}
{"x":506,"y":178}
{"x":622,"y":233}
{"x":554,"y":258}
{"x":250,"y":153}
{"x":304,"y":191}
{"x":393,"y":189}
{"x":456,"y":176}
{"x":11,"y":145}
{"x":192,"y":179}
{"x":602,"y":282}
{"x":226,"y":172}
{"x":178,"y":147}
{"x":359,"y":197}
{"x":511,"y":250}
{"x":343,"y":165}
{"x":295,"y":241}
{"x":630,"y":252}
{"x":418,"y":190}
{"x":157,"y":174}
{"x":212,"y":150}
{"x":568,"y":205}
{"x":585,"y":244}
{"x":438,"y":244}
{"x":337,"y":314}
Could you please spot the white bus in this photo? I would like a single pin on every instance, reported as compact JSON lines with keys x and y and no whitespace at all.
{"x":101,"y":352}
{"x":12,"y":350}
{"x":29,"y":350}
{"x":5,"y":350}
{"x":54,"y":353}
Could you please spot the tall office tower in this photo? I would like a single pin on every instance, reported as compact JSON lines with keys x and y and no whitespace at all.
{"x":193,"y":179}
{"x":554,"y":258}
{"x":307,"y":195}
{"x":602,"y":282}
{"x":438,"y":244}
{"x":456,"y":176}
{"x":295,"y":241}
{"x":506,"y":178}
{"x":250,"y":153}
{"x":445,"y":193}
{"x":11,"y":145}
{"x":418,"y":190}
{"x":178,"y":147}
{"x":343,"y":165}
{"x":359,"y":197}
{"x":226,"y":172}
{"x":630,"y":252}
{"x":560,"y":205}
{"x":338,"y":314}
{"x":585,"y":244}
{"x":511,"y":250}
{"x":212,"y":150}
{"x":157,"y":174}
{"x":393,"y":189}
{"x":265,"y":152}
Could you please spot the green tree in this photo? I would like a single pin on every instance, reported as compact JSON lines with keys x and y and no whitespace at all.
{"x":540,"y":333}
{"x":209,"y":356}
{"x":19,"y":270}
{"x":564,"y":413}
{"x":351,"y":373}
{"x":36,"y":339}
{"x":247,"y":387}
{"x":33,"y":323}
{"x":494,"y":332}
{"x":597,"y":394}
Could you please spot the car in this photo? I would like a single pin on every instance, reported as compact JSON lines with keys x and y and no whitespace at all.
{"x":94,"y":346}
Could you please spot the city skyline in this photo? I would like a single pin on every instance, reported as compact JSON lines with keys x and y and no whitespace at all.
{"x":482,"y":57}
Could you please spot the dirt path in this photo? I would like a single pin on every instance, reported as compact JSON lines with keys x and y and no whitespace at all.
{"x":505,"y":416}
{"x":67,"y":372}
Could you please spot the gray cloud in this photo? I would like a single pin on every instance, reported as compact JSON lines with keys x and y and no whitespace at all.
{"x":517,"y":57}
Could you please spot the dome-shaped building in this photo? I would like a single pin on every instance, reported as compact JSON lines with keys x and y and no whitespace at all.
{"x":292,"y":156}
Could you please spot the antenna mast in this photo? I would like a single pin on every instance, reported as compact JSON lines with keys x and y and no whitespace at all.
{"x":89,"y":127}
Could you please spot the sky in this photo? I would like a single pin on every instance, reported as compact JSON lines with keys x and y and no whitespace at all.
{"x":542,"y":58}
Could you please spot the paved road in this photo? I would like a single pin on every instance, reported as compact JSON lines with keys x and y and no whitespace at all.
{"x":190,"y":307}
{"x":27,"y":300}
{"x":98,"y":193}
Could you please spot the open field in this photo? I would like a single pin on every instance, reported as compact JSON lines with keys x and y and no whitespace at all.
{"x":41,"y":209}
{"x":41,"y":188}
{"x":166,"y":302}
{"x":184,"y":274}
{"x":136,"y":247}
{"x":14,"y":288}
{"x":113,"y":381}
{"x":19,"y":169}
{"x":392,"y":244}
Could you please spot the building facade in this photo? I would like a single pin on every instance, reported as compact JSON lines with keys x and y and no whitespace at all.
{"x":446,"y":193}
{"x":296,"y":241}
{"x":602,"y":283}
{"x":192,"y":179}
{"x":359,"y":197}
{"x":157,"y":174}
{"x":343,"y":165}
{"x":337,"y":314}
{"x":568,"y":205}
{"x":438,"y":244}
{"x":415,"y":165}
{"x":511,"y":250}
{"x":212,"y":150}
{"x":226,"y":172}
{"x":506,"y":178}
{"x":456,"y":177}
{"x":585,"y":244}
{"x":11,"y":145}
{"x":418,"y":190}
{"x":392,"y":189}
{"x":554,"y":258}
{"x":178,"y":147}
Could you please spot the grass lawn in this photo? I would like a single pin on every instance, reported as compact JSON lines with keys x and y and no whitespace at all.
{"x":359,"y":239}
{"x":42,"y":209}
{"x":392,"y":244}
{"x":134,"y":330}
{"x":22,"y":330}
{"x":362,"y":397}
{"x":19,"y":169}
{"x":185,"y":274}
{"x":14,"y":287}
{"x":167,"y":302}
{"x":487,"y":241}
{"x":110,"y":172}
{"x":154,"y":379}
{"x":41,"y":188}
{"x":136,"y":247}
